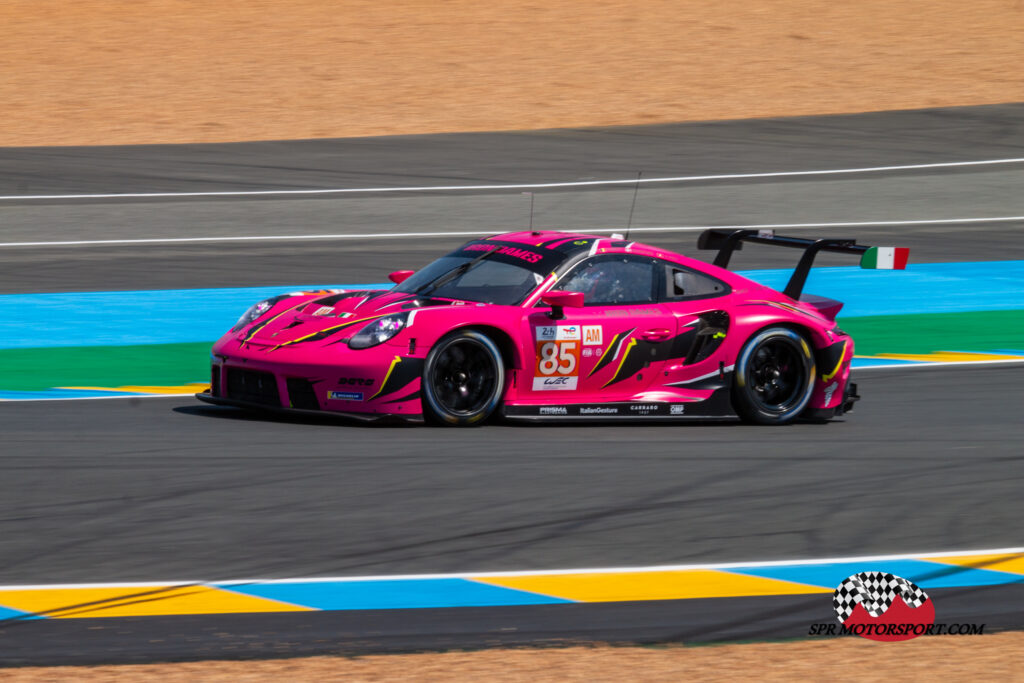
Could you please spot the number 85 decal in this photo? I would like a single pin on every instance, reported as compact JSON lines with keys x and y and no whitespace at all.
{"x":561,"y":357}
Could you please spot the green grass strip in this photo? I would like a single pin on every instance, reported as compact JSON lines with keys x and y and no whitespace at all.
{"x":177,"y":364}
{"x":927,"y":332}
{"x":104,"y":366}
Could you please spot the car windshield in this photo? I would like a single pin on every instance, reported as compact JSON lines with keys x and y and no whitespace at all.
{"x":484,"y":271}
{"x":487,"y":281}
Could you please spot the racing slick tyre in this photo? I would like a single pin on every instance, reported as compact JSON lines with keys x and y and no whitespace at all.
{"x":463,"y":379}
{"x":774,"y":377}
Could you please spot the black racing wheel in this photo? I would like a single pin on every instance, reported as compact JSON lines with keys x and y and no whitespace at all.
{"x":463,"y":379}
{"x":774,"y":377}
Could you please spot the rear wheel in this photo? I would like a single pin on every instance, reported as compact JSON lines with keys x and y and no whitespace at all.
{"x":463,"y":379}
{"x":774,"y":377}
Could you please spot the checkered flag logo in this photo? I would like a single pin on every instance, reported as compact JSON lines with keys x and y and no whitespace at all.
{"x":876,"y":591}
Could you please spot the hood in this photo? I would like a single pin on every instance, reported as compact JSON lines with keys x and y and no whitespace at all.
{"x":334,"y":317}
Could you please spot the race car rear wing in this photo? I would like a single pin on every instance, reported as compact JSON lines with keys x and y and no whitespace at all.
{"x":727,"y":241}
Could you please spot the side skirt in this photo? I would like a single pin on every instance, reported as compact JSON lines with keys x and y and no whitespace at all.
{"x":716,"y":407}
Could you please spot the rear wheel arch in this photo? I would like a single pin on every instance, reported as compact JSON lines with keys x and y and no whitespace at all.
{"x":754,"y":396}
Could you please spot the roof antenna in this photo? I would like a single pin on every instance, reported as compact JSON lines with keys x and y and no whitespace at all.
{"x":636,"y":189}
{"x":531,"y":210}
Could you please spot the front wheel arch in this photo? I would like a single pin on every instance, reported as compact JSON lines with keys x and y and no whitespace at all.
{"x":463,"y":379}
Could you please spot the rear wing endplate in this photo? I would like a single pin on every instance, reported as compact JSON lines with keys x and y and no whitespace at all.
{"x":728,"y":241}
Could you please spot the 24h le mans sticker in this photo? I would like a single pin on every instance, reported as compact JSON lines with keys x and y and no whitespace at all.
{"x":881,"y":606}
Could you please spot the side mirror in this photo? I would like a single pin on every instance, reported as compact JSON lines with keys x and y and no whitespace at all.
{"x":559,"y":300}
{"x":400,"y":276}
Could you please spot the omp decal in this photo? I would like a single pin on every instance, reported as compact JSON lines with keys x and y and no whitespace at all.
{"x":612,"y":351}
{"x":619,"y":372}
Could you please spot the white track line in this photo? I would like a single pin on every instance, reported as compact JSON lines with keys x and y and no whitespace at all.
{"x":474,"y":233}
{"x":538,"y":572}
{"x":517,"y":186}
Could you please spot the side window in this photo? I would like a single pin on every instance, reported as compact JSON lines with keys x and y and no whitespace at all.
{"x":612,"y":279}
{"x":684,"y":283}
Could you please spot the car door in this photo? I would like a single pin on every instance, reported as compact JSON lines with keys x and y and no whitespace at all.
{"x":612,"y":348}
{"x":695,"y":300}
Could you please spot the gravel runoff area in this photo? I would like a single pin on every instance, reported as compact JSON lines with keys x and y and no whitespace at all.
{"x":151,"y":71}
{"x":96,"y":72}
{"x":991,"y":657}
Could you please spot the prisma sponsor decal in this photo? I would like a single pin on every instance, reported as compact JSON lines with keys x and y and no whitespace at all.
{"x":592,"y":335}
{"x":885,"y":607}
{"x":553,"y":410}
{"x":345,"y":395}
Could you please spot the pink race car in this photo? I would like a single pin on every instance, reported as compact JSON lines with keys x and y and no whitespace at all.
{"x":550,"y":325}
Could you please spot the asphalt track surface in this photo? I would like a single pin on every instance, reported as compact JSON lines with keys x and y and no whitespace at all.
{"x":166,"y":489}
{"x":800,"y":144}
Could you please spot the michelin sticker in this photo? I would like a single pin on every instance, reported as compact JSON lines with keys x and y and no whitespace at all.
{"x":345,"y":395}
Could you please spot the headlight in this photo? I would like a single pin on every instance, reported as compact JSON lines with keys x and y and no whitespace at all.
{"x":379,"y":331}
{"x":255,"y":311}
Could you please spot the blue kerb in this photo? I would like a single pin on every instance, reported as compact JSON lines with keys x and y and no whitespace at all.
{"x":392,"y":594}
{"x":924,"y":574}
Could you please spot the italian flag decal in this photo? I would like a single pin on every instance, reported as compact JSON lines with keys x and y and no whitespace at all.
{"x":885,"y":258}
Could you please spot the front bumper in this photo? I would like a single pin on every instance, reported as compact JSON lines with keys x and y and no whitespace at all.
{"x":372,"y":383}
{"x":376,"y":418}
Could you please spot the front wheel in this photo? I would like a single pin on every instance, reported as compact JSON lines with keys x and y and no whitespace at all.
{"x":463,"y":379}
{"x":774,"y":377}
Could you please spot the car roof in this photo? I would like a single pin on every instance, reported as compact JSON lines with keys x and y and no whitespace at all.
{"x":573,"y":243}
